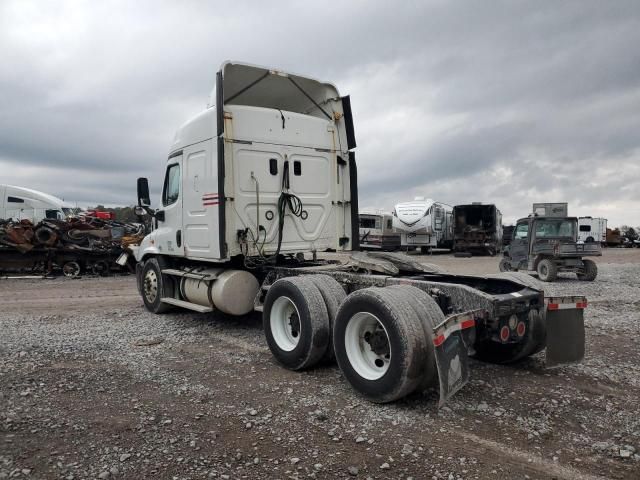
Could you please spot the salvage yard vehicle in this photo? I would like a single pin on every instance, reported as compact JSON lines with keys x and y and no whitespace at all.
{"x":376,"y":230}
{"x":548,"y":245}
{"x":424,"y":224}
{"x":477,"y":228}
{"x":74,"y":246}
{"x":19,"y":203}
{"x":261,"y":182}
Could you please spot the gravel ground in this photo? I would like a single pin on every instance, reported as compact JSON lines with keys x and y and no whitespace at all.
{"x":94,"y":386}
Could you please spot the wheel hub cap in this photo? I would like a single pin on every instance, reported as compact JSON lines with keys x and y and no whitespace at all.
{"x":367,"y":346}
{"x":151,"y":286}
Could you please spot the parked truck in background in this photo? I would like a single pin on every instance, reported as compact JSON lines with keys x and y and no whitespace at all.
{"x":424,"y":224}
{"x":477,"y":229}
{"x":20,"y":203}
{"x":376,"y":230}
{"x":260,"y":183}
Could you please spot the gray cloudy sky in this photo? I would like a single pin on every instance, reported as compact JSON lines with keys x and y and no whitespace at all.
{"x":503,"y":102}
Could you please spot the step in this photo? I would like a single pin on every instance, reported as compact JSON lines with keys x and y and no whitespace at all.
{"x":187,"y":305}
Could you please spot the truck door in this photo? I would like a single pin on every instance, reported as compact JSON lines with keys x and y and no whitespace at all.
{"x":169,"y":236}
{"x":200,"y":201}
{"x":519,"y":249}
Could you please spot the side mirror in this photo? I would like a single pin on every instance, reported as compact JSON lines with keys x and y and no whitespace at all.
{"x":144,"y":199}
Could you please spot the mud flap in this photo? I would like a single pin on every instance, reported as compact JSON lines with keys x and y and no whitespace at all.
{"x":453,"y":340}
{"x":565,"y":330}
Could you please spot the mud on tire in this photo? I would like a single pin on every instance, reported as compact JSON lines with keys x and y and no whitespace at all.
{"x":430,"y":315}
{"x":380,"y":344}
{"x":333,"y":295}
{"x":296,"y":322}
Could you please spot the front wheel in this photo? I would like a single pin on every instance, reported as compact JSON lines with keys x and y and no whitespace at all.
{"x":155,"y":286}
{"x":590,"y":271}
{"x":547,"y":270}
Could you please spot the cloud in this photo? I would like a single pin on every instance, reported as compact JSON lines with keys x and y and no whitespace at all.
{"x":503,"y":102}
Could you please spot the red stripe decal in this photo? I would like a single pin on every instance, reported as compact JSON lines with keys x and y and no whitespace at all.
{"x":581,"y":304}
{"x":439,"y":340}
{"x":553,"y":306}
{"x":207,"y":204}
{"x":467,"y":324}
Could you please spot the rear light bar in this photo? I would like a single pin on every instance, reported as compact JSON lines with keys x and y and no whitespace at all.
{"x":565,"y":303}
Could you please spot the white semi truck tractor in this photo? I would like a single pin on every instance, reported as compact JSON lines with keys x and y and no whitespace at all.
{"x":260,"y":183}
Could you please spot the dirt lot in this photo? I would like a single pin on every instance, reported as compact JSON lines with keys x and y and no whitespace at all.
{"x":93,"y":386}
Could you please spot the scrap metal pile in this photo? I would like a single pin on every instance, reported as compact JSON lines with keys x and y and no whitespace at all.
{"x":76,"y":245}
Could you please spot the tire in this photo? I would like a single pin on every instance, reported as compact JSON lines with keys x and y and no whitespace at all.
{"x":392,"y":326}
{"x":155,"y":286}
{"x":424,"y":250}
{"x":45,"y":236}
{"x":590,"y":271}
{"x":534,"y":341}
{"x":430,"y":315}
{"x":547,"y":270}
{"x":504,"y":265}
{"x":333,"y":295}
{"x":71,"y":269}
{"x":296,"y":323}
{"x":590,"y":240}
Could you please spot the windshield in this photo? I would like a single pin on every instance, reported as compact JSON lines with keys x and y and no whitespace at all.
{"x":369,"y":222}
{"x":555,"y":228}
{"x":67,"y":211}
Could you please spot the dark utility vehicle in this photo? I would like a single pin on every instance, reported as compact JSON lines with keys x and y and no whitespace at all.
{"x":549,"y":245}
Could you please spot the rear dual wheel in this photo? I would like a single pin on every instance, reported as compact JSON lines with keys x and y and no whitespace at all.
{"x":382,"y":337}
{"x":382,"y":341}
{"x":296,"y":322}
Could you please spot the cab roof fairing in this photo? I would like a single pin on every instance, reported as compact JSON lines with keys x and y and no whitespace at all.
{"x":253,"y":85}
{"x":256,"y":86}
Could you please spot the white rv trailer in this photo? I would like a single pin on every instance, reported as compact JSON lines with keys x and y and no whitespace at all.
{"x":592,"y":230}
{"x":19,"y":203}
{"x":376,"y":230}
{"x":424,"y":223}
